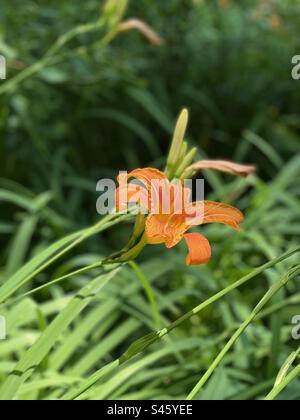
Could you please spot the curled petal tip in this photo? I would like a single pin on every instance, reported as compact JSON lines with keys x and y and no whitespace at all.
{"x":223,"y":166}
{"x":199,"y":249}
{"x":143,"y":28}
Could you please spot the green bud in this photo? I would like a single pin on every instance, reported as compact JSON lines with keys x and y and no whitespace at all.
{"x":177,"y":143}
{"x":187,"y":160}
{"x":114,"y":11}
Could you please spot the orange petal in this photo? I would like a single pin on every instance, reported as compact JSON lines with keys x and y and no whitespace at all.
{"x":155,"y":228}
{"x":199,"y":249}
{"x":165,"y":229}
{"x":130,"y":193}
{"x":161,"y":196}
{"x":224,"y":166}
{"x":146,"y":175}
{"x":181,"y":198}
{"x":213,"y":212}
{"x":174,"y":230}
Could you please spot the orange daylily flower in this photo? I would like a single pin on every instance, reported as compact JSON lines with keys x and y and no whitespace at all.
{"x":171,"y":214}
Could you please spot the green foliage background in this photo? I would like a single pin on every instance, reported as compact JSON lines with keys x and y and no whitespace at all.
{"x":102,"y":108}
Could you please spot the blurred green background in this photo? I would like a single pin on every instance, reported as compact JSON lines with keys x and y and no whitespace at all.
{"x":100,"y":109}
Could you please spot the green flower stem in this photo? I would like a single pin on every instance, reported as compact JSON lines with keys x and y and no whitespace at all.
{"x":56,"y":281}
{"x":142,"y":344}
{"x":72,"y":395}
{"x":111,"y":220}
{"x":139,"y":228}
{"x":225,"y":291}
{"x":73,"y":33}
{"x":290,"y":377}
{"x":293,"y":300}
{"x":115,"y":259}
{"x":267,"y":297}
{"x":133,"y":252}
{"x":53,"y":55}
{"x":280,"y":383}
